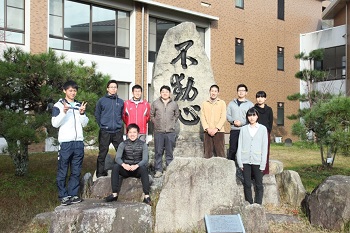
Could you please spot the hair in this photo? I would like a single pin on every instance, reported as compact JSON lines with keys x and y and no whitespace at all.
{"x":242,"y":85}
{"x":260,"y":94}
{"x":137,"y":86}
{"x":165,"y":87}
{"x":214,"y":86}
{"x":133,"y":126}
{"x":69,"y":84}
{"x":250,"y":112}
{"x":112,"y":81}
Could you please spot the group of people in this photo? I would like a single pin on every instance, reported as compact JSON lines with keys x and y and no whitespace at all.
{"x":249,"y":136}
{"x":249,"y":142}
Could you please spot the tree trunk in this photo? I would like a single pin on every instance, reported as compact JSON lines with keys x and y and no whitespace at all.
{"x":20,"y":159}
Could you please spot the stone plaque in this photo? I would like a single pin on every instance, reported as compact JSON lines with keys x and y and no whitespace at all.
{"x":224,"y":224}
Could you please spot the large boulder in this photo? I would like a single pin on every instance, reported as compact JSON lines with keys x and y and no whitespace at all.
{"x":329,"y":204}
{"x":291,"y":188}
{"x":94,"y":215}
{"x":254,"y":219}
{"x":192,"y":188}
{"x":183,"y":64}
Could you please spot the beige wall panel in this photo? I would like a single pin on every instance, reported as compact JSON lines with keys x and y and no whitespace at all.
{"x":340,"y":18}
{"x":38,"y":26}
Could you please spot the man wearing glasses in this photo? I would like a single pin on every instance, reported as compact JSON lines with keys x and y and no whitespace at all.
{"x":108,"y":114}
{"x":236,"y":116}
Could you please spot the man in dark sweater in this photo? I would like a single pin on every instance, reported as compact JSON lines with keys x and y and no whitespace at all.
{"x":131,"y":161}
{"x":108,"y":114}
{"x":265,"y":118}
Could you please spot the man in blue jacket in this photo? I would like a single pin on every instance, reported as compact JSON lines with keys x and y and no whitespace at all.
{"x":108,"y":114}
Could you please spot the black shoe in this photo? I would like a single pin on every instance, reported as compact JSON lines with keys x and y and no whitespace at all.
{"x":147,"y":200}
{"x":111,"y":198}
{"x":66,"y":201}
{"x":75,"y":199}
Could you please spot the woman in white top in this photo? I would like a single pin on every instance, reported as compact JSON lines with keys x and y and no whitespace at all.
{"x":252,"y":155}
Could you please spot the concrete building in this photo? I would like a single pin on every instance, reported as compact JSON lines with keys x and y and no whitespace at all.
{"x":250,"y":42}
{"x":334,"y":39}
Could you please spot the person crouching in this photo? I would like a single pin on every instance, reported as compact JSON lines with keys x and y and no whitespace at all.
{"x":131,"y":161}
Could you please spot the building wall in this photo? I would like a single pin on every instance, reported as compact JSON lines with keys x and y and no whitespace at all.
{"x":340,"y":18}
{"x":38,"y":26}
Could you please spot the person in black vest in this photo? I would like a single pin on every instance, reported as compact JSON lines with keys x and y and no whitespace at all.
{"x":131,"y":161}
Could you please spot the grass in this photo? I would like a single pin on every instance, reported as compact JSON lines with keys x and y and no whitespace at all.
{"x":24,"y":197}
{"x":306,"y":160}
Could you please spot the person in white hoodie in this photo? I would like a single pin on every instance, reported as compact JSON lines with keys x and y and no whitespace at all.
{"x":252,"y":155}
{"x":69,"y":116}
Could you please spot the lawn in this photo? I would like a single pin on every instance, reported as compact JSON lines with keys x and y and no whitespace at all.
{"x":23,"y":197}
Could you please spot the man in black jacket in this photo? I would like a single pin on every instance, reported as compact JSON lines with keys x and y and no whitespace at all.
{"x":108,"y":114}
{"x":131,"y":161}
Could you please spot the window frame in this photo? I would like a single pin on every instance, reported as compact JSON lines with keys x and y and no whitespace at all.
{"x":280,"y":55}
{"x":5,"y":29}
{"x":280,"y":114}
{"x":239,"y":47}
{"x":239,"y":6}
{"x":90,"y":42}
{"x":280,"y":9}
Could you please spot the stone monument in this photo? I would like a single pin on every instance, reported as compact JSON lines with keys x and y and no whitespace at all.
{"x":183,"y":65}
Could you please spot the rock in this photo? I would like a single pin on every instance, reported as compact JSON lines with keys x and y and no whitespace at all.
{"x":189,"y":149}
{"x":86,"y":185}
{"x":282,"y":218}
{"x":271,"y":193}
{"x":131,"y":189}
{"x":254,"y":219}
{"x":192,"y":188}
{"x":291,"y":188}
{"x":329,"y":204}
{"x":96,"y":216}
{"x":183,"y":64}
{"x":275,"y":167}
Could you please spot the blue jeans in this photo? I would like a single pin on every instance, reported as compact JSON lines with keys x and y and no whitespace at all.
{"x":163,"y":141}
{"x":71,"y":155}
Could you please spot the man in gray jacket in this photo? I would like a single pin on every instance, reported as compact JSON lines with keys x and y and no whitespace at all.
{"x":236,"y":116}
{"x":164,"y":115}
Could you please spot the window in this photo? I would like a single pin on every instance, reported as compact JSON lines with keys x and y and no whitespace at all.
{"x":97,"y":30}
{"x":12,"y":21}
{"x":280,"y":9}
{"x":334,"y":61}
{"x":280,"y":113}
{"x":240,"y":4}
{"x":157,"y":30}
{"x":280,"y":58}
{"x":239,"y":51}
{"x":123,"y":90}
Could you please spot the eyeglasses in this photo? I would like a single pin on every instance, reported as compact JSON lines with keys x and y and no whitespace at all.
{"x":114,"y":87}
{"x":241,"y":90}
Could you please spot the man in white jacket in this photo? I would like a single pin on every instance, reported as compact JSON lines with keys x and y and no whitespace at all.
{"x":69,"y":116}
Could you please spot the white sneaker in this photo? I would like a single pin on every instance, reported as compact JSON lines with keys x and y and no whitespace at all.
{"x":158,"y":174}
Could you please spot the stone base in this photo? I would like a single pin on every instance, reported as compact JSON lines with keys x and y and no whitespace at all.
{"x":189,"y":149}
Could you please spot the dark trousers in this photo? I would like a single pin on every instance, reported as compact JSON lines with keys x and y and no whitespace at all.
{"x":214,"y":145}
{"x":119,"y":170}
{"x":163,"y":141}
{"x":248,"y":170}
{"x":105,"y":139}
{"x":234,"y":135}
{"x":71,"y":155}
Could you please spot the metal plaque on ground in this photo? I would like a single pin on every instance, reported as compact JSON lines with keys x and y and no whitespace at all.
{"x":224,"y":224}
